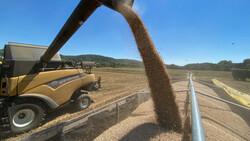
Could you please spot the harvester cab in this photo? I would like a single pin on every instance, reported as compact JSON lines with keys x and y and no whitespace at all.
{"x":34,"y":79}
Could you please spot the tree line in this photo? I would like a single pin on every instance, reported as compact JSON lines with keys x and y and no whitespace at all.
{"x":103,"y":61}
{"x":221,"y":66}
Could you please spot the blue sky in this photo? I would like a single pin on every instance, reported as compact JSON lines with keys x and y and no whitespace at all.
{"x":184,"y":31}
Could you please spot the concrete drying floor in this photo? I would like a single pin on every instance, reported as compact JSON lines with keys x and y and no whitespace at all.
{"x":219,"y":122}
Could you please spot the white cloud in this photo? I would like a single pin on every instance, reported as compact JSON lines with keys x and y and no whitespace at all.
{"x":139,"y":8}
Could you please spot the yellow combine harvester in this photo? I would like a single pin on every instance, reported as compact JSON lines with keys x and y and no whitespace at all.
{"x":28,"y":91}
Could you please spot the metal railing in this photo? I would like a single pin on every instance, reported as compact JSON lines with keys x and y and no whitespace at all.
{"x":197,"y":127}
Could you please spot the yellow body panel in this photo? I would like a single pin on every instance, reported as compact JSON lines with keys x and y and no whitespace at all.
{"x":28,"y":82}
{"x":70,"y":80}
{"x":63,"y":92}
{"x":12,"y":86}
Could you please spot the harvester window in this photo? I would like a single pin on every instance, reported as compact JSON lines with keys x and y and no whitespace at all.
{"x":29,"y":53}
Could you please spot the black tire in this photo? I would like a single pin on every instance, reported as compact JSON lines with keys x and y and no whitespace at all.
{"x":82,"y":102}
{"x":26,"y":116}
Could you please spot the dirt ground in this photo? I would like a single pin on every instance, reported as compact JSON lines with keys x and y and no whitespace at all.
{"x":219,"y":122}
{"x":119,"y":83}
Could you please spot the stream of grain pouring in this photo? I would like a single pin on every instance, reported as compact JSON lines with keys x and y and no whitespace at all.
{"x":166,"y":109}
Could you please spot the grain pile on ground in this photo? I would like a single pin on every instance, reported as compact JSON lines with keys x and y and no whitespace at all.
{"x":219,"y":122}
{"x":159,"y":81}
{"x":140,"y":126}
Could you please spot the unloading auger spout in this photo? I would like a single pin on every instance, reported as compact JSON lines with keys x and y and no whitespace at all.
{"x":81,"y":13}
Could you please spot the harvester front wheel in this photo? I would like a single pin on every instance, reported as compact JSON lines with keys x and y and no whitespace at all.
{"x":26,"y":116}
{"x":82,"y":102}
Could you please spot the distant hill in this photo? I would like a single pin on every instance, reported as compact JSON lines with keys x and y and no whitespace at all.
{"x":103,"y":61}
{"x":111,"y":62}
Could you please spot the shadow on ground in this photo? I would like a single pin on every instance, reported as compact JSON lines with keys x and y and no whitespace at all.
{"x":148,"y":130}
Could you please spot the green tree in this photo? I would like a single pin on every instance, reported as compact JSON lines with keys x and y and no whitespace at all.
{"x":246,"y":63}
{"x":226,"y":65}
